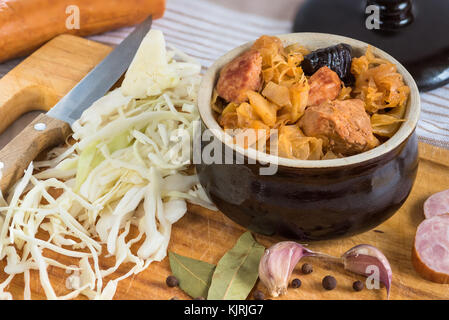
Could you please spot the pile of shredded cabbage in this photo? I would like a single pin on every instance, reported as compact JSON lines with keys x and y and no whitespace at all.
{"x":128,"y":166}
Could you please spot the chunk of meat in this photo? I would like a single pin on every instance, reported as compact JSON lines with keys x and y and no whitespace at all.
{"x":437,"y":204}
{"x":239,"y":76}
{"x":324,"y":85}
{"x":430,"y":254}
{"x":344,"y":126}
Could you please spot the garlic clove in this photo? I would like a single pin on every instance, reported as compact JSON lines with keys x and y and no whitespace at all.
{"x":361,"y":258}
{"x":277,"y":264}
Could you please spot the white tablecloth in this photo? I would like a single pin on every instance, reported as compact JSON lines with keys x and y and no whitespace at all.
{"x":206,"y":29}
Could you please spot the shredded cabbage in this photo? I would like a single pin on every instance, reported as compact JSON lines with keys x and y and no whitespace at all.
{"x":126,"y":168}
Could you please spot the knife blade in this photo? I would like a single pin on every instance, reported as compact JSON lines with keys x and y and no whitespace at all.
{"x":100,"y":79}
{"x":52,"y":128}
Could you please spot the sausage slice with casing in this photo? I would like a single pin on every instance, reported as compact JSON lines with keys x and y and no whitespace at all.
{"x":437,"y":204}
{"x":239,"y":76}
{"x":430,"y":254}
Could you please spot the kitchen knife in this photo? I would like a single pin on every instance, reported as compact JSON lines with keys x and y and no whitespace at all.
{"x":53,"y":128}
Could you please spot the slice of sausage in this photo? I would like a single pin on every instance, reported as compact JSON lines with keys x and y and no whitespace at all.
{"x":437,"y":204}
{"x":324,"y":85}
{"x":27,"y":24}
{"x":430,"y":254}
{"x":343,"y":125}
{"x":240,"y":76}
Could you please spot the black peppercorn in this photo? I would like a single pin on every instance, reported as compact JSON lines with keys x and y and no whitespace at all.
{"x":172,"y":281}
{"x":329,"y":283}
{"x":306,"y":268}
{"x":258,"y":295}
{"x":296,"y":283}
{"x":358,"y":285}
{"x":199,"y":298}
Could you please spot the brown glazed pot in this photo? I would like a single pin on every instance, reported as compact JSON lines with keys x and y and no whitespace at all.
{"x":310,"y":200}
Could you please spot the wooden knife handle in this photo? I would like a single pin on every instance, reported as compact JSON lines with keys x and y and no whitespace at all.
{"x":43,"y":133}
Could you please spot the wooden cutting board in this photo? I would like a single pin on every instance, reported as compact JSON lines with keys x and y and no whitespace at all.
{"x":50,"y":72}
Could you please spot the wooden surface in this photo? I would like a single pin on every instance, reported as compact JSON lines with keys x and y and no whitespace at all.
{"x":207,"y":235}
{"x":37,"y":84}
{"x":47,"y":75}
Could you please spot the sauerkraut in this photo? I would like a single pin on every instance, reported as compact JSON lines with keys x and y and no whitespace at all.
{"x":287,"y":92}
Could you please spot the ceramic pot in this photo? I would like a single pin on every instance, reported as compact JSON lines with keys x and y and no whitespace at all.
{"x":310,"y":200}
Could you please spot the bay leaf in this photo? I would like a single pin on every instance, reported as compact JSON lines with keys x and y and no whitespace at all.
{"x":194,"y":275}
{"x":237,"y":271}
